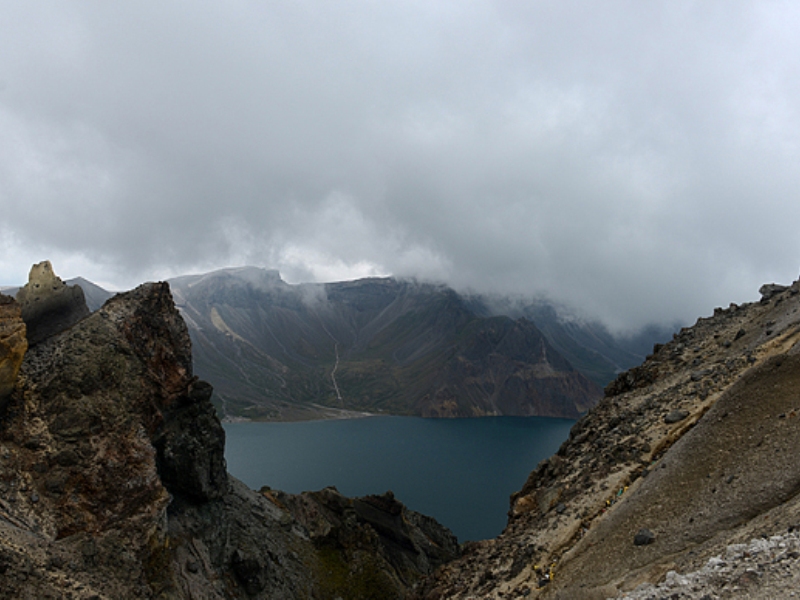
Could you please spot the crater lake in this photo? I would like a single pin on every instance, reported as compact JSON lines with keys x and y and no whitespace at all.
{"x":459,"y":471}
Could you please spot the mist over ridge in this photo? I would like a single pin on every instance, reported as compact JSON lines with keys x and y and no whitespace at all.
{"x":636,"y":163}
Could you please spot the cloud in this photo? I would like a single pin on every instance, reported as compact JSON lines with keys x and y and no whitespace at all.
{"x":636,"y":161}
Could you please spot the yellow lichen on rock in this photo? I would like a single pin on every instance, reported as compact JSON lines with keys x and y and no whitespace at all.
{"x":13,"y":344}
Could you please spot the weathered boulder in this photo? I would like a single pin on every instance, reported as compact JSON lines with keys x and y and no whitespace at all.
{"x":768,"y":290}
{"x":49,"y":306}
{"x":643,"y":537}
{"x":13,"y":345}
{"x":675,"y":416}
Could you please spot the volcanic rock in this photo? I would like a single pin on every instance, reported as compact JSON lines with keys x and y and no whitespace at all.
{"x":407,"y":541}
{"x":675,"y":416}
{"x":643,"y":537}
{"x":769,"y":290}
{"x":13,"y":345}
{"x":49,"y":306}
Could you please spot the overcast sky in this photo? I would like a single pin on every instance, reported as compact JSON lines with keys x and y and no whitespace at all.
{"x":637,"y":160}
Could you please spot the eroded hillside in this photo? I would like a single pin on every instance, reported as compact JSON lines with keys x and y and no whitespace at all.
{"x":284,"y":352}
{"x":692,"y":451}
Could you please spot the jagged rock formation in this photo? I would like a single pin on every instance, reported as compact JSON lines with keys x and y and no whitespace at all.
{"x":280,"y":351}
{"x":94,"y":295}
{"x":13,"y":344}
{"x":408,"y":542}
{"x":49,"y":306}
{"x":113,"y":481}
{"x":694,"y":450}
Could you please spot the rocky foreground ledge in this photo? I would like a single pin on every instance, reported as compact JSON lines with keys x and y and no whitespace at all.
{"x":113,"y":481}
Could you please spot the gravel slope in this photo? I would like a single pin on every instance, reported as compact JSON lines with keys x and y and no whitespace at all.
{"x":764,"y":569}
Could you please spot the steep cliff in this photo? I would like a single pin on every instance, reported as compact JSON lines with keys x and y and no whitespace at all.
{"x":692,"y":451}
{"x":113,"y":481}
{"x":280,"y":351}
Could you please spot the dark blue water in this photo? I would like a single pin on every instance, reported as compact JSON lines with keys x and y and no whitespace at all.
{"x":460,"y":471}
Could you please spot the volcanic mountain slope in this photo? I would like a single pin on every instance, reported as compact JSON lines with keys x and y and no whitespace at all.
{"x":281,"y":351}
{"x":587,"y":344}
{"x":113,"y":480}
{"x":692,"y":451}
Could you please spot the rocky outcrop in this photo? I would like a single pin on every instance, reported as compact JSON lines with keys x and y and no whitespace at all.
{"x":387,"y":544}
{"x":689,"y":453}
{"x":13,"y":345}
{"x":49,"y":306}
{"x":768,"y":290}
{"x":113,"y":481}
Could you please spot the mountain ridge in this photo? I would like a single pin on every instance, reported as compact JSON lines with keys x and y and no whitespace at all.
{"x":378,"y":345}
{"x":587,"y":345}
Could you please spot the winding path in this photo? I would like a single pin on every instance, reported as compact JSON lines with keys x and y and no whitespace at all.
{"x":336,"y":364}
{"x":333,"y":373}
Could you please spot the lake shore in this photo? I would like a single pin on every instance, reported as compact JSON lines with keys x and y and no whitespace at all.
{"x":315,"y":412}
{"x":459,"y":471}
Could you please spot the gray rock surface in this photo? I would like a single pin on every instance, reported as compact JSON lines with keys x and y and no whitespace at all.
{"x":768,"y":290}
{"x":764,"y":569}
{"x":49,"y":306}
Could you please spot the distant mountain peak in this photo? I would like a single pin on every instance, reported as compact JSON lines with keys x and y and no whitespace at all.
{"x":371,"y":345}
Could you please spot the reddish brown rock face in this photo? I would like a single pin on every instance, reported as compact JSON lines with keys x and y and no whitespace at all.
{"x":95,"y":398}
{"x":106,"y":429}
{"x":13,"y":345}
